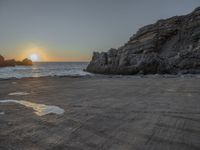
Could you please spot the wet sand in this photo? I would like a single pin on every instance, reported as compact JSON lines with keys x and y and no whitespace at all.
{"x":102,"y":113}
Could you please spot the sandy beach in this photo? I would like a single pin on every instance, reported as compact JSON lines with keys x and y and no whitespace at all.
{"x":102,"y":113}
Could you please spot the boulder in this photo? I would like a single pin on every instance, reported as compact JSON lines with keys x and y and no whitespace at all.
{"x":168,"y":46}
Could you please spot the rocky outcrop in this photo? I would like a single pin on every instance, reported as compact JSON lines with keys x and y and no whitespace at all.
{"x":1,"y":59}
{"x":12,"y":62}
{"x":169,"y":46}
{"x":25,"y":62}
{"x":5,"y":63}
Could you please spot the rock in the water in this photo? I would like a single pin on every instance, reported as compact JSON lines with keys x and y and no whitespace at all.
{"x":169,"y":46}
{"x":1,"y":59}
{"x":12,"y":62}
{"x":5,"y":63}
{"x":27,"y":62}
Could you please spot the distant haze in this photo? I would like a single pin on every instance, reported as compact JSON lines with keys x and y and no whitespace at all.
{"x":70,"y":30}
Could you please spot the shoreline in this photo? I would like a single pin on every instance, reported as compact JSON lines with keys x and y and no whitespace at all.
{"x":110,"y":76}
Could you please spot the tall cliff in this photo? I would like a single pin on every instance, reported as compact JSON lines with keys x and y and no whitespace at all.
{"x":169,"y":46}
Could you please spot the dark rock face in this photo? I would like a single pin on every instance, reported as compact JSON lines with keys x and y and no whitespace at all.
{"x":1,"y":59}
{"x":168,"y":46}
{"x":12,"y":62}
{"x":5,"y":63}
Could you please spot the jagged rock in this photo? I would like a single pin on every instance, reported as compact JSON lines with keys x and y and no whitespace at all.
{"x":168,"y":46}
{"x":12,"y":62}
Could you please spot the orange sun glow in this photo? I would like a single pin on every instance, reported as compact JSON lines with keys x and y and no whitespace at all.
{"x":35,"y":54}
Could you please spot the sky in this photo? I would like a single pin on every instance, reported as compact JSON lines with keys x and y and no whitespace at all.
{"x":70,"y":30}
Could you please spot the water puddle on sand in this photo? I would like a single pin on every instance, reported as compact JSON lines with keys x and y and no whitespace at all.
{"x":40,"y":109}
{"x":18,"y":93}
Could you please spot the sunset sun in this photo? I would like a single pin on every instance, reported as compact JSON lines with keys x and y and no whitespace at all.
{"x":34,"y":57}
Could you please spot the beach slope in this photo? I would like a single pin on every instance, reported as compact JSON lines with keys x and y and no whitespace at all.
{"x":104,"y":113}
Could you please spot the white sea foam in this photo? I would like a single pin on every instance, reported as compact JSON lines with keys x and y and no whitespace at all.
{"x":18,"y":93}
{"x":40,"y":109}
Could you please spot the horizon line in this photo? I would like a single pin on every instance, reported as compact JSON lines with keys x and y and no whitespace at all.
{"x":59,"y":61}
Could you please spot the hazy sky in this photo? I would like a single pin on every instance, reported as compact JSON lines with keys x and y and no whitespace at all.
{"x":69,"y":30}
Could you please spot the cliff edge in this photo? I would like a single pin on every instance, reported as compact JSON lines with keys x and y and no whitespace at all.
{"x":170,"y":46}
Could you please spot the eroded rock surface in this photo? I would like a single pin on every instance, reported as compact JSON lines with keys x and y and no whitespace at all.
{"x":169,"y":46}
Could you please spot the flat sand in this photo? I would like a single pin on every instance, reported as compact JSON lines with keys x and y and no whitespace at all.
{"x":102,"y":113}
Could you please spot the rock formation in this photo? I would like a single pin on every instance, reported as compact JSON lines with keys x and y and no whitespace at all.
{"x":5,"y":63}
{"x":25,"y":62}
{"x":1,"y":59}
{"x":168,"y":46}
{"x":12,"y":62}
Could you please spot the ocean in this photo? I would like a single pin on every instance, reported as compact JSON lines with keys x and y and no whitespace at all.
{"x":42,"y":69}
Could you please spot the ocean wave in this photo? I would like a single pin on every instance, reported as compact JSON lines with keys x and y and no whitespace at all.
{"x":44,"y":69}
